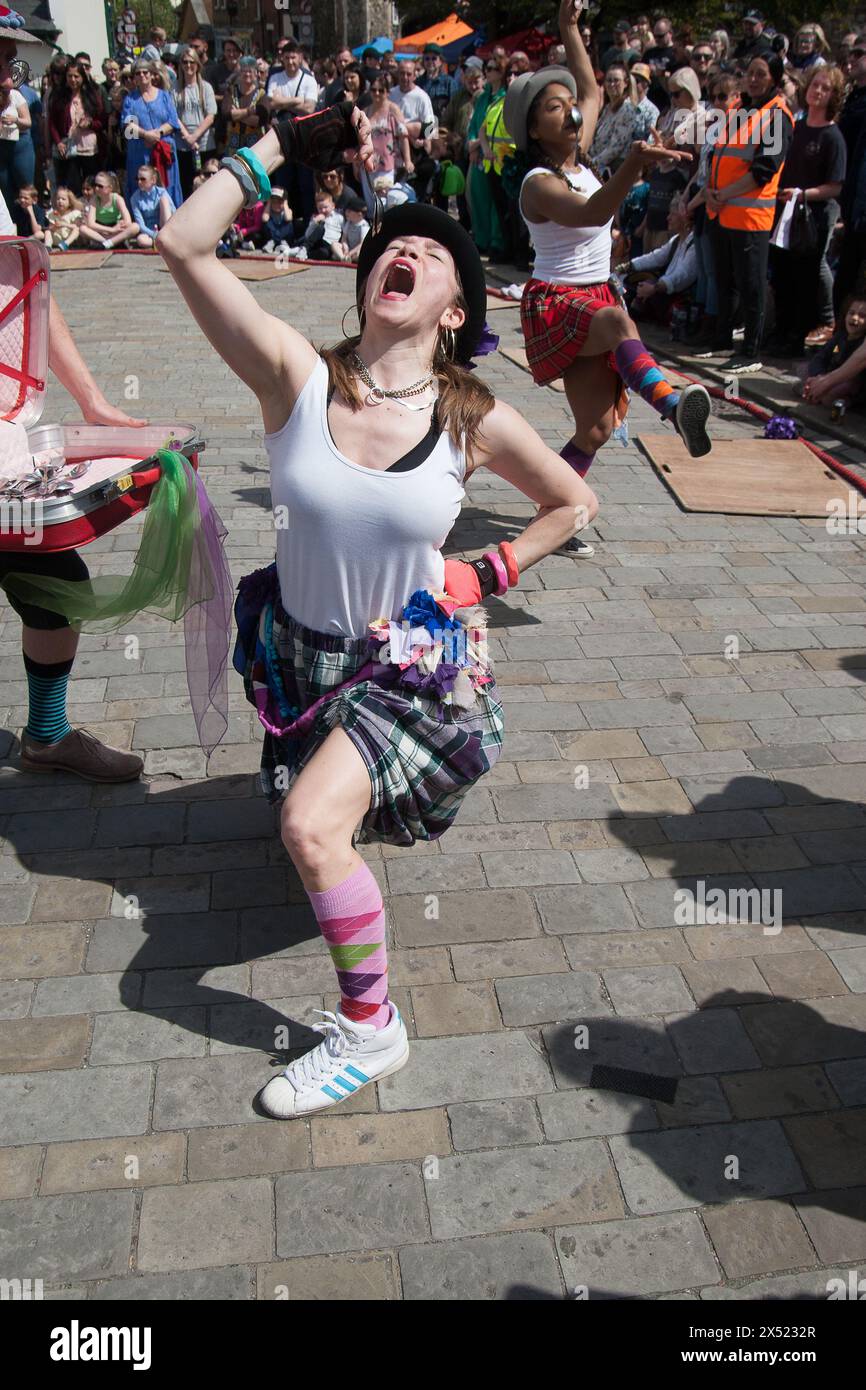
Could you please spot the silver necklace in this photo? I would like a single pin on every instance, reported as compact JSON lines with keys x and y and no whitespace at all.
{"x":377,"y":394}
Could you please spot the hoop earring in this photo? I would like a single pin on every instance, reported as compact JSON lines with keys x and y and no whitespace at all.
{"x":361,"y":317}
{"x":448,"y":342}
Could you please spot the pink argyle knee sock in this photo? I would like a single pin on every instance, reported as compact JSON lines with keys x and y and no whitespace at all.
{"x":351,"y":918}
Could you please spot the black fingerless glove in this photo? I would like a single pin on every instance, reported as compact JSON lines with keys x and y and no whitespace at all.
{"x":318,"y":141}
{"x":486,"y":576}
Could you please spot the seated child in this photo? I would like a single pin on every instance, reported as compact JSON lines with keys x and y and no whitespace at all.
{"x":278,"y":225}
{"x":324,"y":231}
{"x":248,"y":225}
{"x":836,"y":371}
{"x":30,"y":218}
{"x":355,"y":228}
{"x":151,"y":207}
{"x":63,"y":220}
{"x":108,"y":223}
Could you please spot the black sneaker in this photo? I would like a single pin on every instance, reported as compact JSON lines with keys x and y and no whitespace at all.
{"x":690,"y":419}
{"x":576,"y":548}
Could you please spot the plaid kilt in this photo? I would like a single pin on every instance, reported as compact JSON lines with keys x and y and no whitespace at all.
{"x":422,"y":757}
{"x":555,"y":320}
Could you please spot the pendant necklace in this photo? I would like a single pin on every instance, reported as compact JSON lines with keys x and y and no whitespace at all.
{"x":377,"y":394}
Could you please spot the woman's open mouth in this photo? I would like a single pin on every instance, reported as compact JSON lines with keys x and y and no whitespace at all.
{"x":399,"y":281}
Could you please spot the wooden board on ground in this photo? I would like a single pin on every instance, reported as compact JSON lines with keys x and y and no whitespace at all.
{"x":494,"y":302}
{"x":746,"y":477}
{"x":517,"y":355}
{"x":258,"y":270}
{"x":79,"y":260}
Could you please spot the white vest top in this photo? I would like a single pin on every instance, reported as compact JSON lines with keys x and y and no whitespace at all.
{"x":354,"y":543}
{"x":570,"y":255}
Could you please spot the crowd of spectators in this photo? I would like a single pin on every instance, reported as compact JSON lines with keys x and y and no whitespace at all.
{"x":96,"y":163}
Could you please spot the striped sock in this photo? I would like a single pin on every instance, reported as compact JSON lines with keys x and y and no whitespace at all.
{"x":46,"y":718}
{"x":351,"y":918}
{"x":578,"y":460}
{"x":642,"y":373}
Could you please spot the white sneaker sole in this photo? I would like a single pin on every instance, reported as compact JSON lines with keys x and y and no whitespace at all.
{"x":329,"y":1104}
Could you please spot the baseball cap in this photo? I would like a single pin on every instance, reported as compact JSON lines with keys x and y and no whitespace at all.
{"x":355,"y":204}
{"x":622,"y":26}
{"x":474,"y":62}
{"x":432,"y":48}
{"x":755,"y":15}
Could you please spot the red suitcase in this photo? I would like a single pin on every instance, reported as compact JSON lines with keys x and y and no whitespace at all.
{"x":123,"y":467}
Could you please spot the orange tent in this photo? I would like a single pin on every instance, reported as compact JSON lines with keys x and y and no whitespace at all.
{"x":446,"y":31}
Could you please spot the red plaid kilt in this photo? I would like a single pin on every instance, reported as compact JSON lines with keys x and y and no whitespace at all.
{"x":555,"y":320}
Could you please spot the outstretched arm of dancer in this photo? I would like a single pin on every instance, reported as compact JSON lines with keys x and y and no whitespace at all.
{"x":269,"y":356}
{"x":551,"y":198}
{"x":511,"y":449}
{"x":577,"y":59}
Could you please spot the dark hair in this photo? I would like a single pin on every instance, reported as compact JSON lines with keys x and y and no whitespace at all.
{"x":775,"y":64}
{"x":535,"y":155}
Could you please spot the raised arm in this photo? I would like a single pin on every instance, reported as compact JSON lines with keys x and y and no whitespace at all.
{"x":580,"y":68}
{"x":511,"y":449}
{"x":548,"y":197}
{"x":270,"y":357}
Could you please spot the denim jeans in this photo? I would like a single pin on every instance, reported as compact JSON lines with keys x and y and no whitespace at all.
{"x":705,"y":291}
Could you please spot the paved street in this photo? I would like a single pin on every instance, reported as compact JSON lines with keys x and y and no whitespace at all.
{"x":155,"y":936}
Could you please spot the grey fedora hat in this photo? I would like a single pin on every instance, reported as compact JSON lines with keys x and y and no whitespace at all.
{"x":522,"y":93}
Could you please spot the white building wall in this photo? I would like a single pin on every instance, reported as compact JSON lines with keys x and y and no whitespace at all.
{"x":82,"y":28}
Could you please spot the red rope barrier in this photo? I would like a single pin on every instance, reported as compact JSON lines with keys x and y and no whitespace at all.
{"x":757,"y":410}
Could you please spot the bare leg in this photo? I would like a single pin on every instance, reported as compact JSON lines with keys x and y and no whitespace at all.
{"x":608,"y":328}
{"x":126,"y":234}
{"x":321,"y":811}
{"x":92,"y":234}
{"x":591,"y":388}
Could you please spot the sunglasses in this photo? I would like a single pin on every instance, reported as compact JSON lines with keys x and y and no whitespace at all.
{"x":492,"y":67}
{"x":702,"y":57}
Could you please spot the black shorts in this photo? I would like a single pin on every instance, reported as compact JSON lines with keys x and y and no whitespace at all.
{"x":61,"y":564}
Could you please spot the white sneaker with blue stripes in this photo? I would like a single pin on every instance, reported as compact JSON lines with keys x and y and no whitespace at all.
{"x":351,"y":1056}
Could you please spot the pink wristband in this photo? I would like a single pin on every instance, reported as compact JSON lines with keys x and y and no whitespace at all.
{"x":499,"y":570}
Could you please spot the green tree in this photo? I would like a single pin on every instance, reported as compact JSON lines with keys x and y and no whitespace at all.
{"x":506,"y":16}
{"x":148,"y":12}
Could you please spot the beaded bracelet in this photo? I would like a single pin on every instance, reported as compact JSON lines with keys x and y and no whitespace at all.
{"x":244,"y":178}
{"x":509,"y":559}
{"x":257,"y":169}
{"x":499,"y":570}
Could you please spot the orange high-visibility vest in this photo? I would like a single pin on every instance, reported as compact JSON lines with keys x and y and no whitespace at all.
{"x":731,"y":158}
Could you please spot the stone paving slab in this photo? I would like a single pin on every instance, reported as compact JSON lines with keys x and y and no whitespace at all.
{"x":154,"y":938}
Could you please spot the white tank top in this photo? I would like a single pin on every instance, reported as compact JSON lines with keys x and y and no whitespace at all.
{"x":570,"y":255}
{"x":354,"y":543}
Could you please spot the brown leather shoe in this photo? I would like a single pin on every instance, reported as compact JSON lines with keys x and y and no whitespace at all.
{"x":81,"y":753}
{"x":820,"y":335}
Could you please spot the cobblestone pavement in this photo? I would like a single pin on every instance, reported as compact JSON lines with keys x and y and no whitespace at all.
{"x":639,"y":759}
